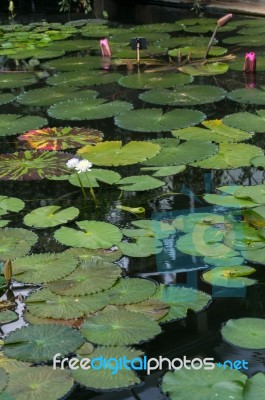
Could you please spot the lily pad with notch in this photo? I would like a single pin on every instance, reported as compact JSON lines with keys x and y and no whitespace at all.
{"x":142,"y":247}
{"x":83,"y":254}
{"x":11,"y":124}
{"x":247,"y":121}
{"x":49,"y":216}
{"x":214,"y":68}
{"x":77,"y":63}
{"x":154,"y":80}
{"x":247,"y":333}
{"x":96,"y":175}
{"x":131,"y":290}
{"x":83,"y":79}
{"x":9,"y":80}
{"x":6,"y":98}
{"x":139,"y":183}
{"x":15,"y":242}
{"x":248,"y":95}
{"x":230,"y":277}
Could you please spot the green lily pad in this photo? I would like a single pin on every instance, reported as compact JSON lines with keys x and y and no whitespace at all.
{"x":48,"y":216}
{"x":39,"y":343}
{"x":92,"y":235}
{"x":11,"y":124}
{"x":143,"y":247}
{"x":248,"y":95}
{"x":48,"y":96}
{"x":154,"y":120}
{"x":96,"y":175}
{"x":258,"y":161}
{"x":42,"y":268}
{"x":173,"y":153}
{"x":91,"y":276}
{"x":39,"y":54}
{"x":255,"y":193}
{"x":107,"y":378}
{"x":197,"y":51}
{"x":87,"y":109}
{"x":180,"y":300}
{"x":247,"y":121}
{"x":154,"y":309}
{"x":40,"y":382}
{"x":209,"y":69}
{"x":244,"y":40}
{"x":3,"y":379}
{"x":188,"y":95}
{"x":255,"y":216}
{"x":9,"y":80}
{"x":255,"y":256}
{"x":238,"y":64}
{"x":7,"y":316}
{"x":15,"y":242}
{"x":83,"y":79}
{"x":46,"y":304}
{"x":228,"y":201}
{"x":231,"y":156}
{"x":230,"y":277}
{"x":255,"y":387}
{"x":165,"y":171}
{"x":139,"y":183}
{"x":131,"y":290}
{"x":216,"y":132}
{"x":112,"y":153}
{"x":223,"y":261}
{"x":187,"y":223}
{"x":247,"y":333}
{"x":74,"y":63}
{"x":73,"y":45}
{"x":32,"y":165}
{"x":150,"y":228}
{"x":61,"y":138}
{"x":202,"y":384}
{"x":11,"y":204}
{"x":154,"y":80}
{"x":83,"y":254}
{"x":6,"y":98}
{"x":120,"y":327}
{"x":241,"y":236}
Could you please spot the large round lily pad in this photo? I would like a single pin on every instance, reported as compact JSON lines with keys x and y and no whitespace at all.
{"x":83,"y":79}
{"x":90,"y":277}
{"x":154,"y":120}
{"x":38,"y":343}
{"x":49,"y":216}
{"x":96,"y":175}
{"x":230,"y":277}
{"x":6,"y":98}
{"x":113,"y":153}
{"x":92,"y":235}
{"x":139,"y":183}
{"x":245,"y":332}
{"x":15,"y":242}
{"x":42,"y":383}
{"x":42,"y":268}
{"x":11,"y":124}
{"x":189,"y":95}
{"x":120,"y":327}
{"x":87,"y":109}
{"x":255,"y":387}
{"x":247,"y":121}
{"x":9,"y":80}
{"x":154,"y":80}
{"x":77,"y":63}
{"x":143,"y":247}
{"x":204,"y":384}
{"x":132,"y":290}
{"x":248,"y":95}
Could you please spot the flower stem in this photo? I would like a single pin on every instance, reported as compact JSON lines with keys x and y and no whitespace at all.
{"x":81,"y":185}
{"x":92,"y":192}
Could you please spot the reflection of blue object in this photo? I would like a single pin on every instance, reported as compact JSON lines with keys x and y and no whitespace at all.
{"x":185,"y":190}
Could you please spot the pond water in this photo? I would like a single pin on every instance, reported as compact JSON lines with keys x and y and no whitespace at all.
{"x":178,"y":160}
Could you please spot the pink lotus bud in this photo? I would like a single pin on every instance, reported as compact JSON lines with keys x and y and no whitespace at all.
{"x":105,"y":48}
{"x":250,"y":62}
{"x":222,"y":21}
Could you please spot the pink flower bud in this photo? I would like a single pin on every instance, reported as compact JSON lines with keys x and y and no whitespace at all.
{"x":250,"y":62}
{"x":105,"y":48}
{"x":222,"y":21}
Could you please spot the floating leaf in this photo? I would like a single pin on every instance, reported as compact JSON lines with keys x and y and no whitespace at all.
{"x":230,"y":277}
{"x":32,"y":165}
{"x":139,"y":183}
{"x":154,"y":309}
{"x":73,"y":323}
{"x":258,"y":161}
{"x":256,"y":216}
{"x":6,"y":98}
{"x":92,"y":276}
{"x":11,"y":124}
{"x":113,"y":153}
{"x":231,"y":156}
{"x":9,"y":80}
{"x":255,"y":387}
{"x":83,"y":79}
{"x":238,"y":64}
{"x":223,"y":261}
{"x":61,"y":138}
{"x":172,"y":153}
{"x":228,"y":201}
{"x":187,"y":223}
{"x":131,"y":290}
{"x":87,"y":109}
{"x":197,"y":51}
{"x":39,"y":343}
{"x":154,"y":80}
{"x":255,"y":256}
{"x":217,"y":132}
{"x":189,"y":95}
{"x":37,"y":54}
{"x":44,"y":383}
{"x":245,"y":332}
{"x":48,"y":216}
{"x":153,"y":119}
{"x":74,"y":63}
{"x":255,"y":193}
{"x":248,"y":95}
{"x":216,"y":68}
{"x":165,"y":171}
{"x":3,"y":379}
{"x":73,"y":45}
{"x":46,"y":304}
{"x":92,"y":235}
{"x":202,"y":384}
{"x":42,"y":268}
{"x":143,"y":247}
{"x":11,"y":204}
{"x":15,"y":242}
{"x":7,"y":316}
{"x":109,"y":378}
{"x":247,"y":121}
{"x":245,"y":41}
{"x":95,"y":176}
{"x":180,"y":300}
{"x":120,"y":327}
{"x":48,"y":96}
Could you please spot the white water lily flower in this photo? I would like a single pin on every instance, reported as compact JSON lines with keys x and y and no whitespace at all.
{"x":83,"y":166}
{"x":72,"y":163}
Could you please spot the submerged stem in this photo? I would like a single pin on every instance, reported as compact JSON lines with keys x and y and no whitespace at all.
{"x":81,"y":185}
